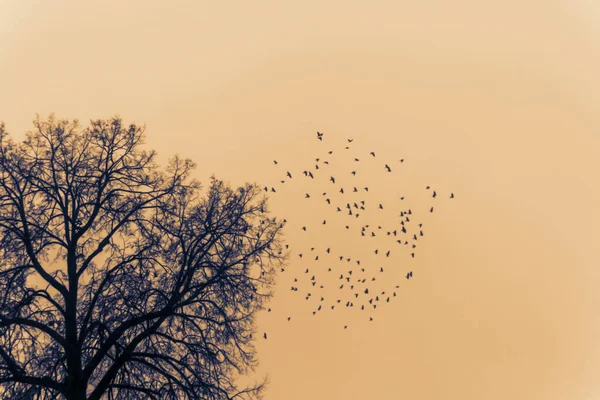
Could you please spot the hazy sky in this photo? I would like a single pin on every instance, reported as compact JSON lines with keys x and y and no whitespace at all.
{"x":497,"y":101}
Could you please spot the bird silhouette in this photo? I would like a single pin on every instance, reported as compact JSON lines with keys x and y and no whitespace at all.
{"x":354,"y":283}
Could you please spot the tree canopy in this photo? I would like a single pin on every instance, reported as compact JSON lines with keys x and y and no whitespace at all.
{"x":122,"y":279}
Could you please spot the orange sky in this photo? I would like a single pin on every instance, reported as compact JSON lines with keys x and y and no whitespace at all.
{"x":497,"y":103}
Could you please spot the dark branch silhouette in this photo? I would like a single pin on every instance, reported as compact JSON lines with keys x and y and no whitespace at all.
{"x":122,"y":280}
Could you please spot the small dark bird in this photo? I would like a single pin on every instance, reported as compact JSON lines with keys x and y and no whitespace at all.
{"x":434,"y":194}
{"x":330,"y":152}
{"x":304,"y":228}
{"x":290,"y":175}
{"x":307,"y":196}
{"x":332,"y":179}
{"x":427,"y":187}
{"x":273,"y":190}
{"x":451,"y":195}
{"x":356,"y":159}
{"x":431,"y":210}
{"x":402,"y":160}
{"x":324,"y":222}
{"x":380,"y":207}
{"x":342,"y":190}
{"x":289,"y":318}
{"x":265,"y":335}
{"x":275,"y":162}
{"x":353,"y":172}
{"x":350,"y":140}
{"x":372,"y":153}
{"x":388,"y":168}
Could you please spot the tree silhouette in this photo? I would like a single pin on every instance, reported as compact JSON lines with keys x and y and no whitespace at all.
{"x":122,"y":280}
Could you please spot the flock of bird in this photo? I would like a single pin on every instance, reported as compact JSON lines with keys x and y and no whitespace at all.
{"x":354,"y":281}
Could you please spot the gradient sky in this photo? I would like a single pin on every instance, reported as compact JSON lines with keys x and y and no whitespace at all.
{"x":495,"y":101}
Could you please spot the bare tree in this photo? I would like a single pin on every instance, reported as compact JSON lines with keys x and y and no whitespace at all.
{"x":122,"y":280}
